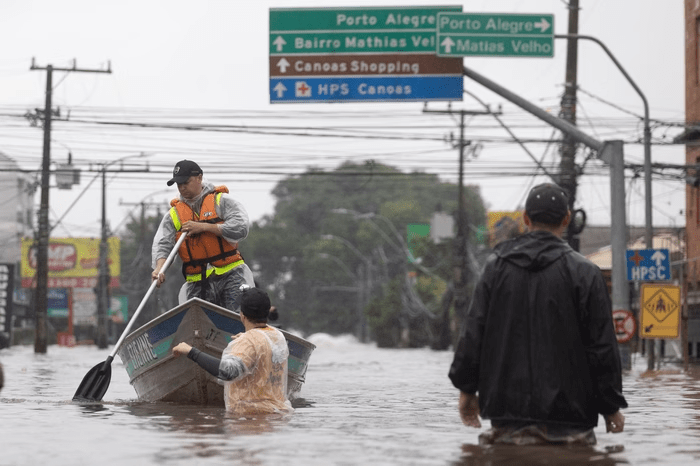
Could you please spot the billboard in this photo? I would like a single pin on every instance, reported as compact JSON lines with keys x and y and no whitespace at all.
{"x":73,"y":262}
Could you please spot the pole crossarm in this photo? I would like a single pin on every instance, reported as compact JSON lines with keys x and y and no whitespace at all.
{"x":74,"y":69}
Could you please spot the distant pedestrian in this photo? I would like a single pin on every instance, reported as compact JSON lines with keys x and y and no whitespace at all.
{"x":253,"y":367}
{"x":538,"y":354}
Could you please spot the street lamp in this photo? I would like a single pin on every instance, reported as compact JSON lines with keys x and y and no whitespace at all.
{"x":369,"y":216}
{"x":342,"y":265}
{"x":366,"y":288}
{"x":359,"y":288}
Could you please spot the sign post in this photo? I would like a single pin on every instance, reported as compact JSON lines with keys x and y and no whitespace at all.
{"x":359,"y":54}
{"x":495,"y":34}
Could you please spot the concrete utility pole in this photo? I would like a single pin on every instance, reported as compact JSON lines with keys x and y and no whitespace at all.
{"x":568,"y":174}
{"x":42,"y":254}
{"x":460,"y":244}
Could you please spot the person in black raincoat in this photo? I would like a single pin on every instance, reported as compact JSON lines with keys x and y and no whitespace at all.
{"x":538,"y":344}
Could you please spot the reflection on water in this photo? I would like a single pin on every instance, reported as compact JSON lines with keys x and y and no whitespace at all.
{"x":360,"y":405}
{"x":555,"y":455}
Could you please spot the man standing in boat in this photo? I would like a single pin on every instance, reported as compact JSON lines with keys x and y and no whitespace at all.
{"x":253,"y":367}
{"x":215,"y":223}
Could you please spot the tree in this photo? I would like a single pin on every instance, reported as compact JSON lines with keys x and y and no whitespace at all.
{"x":336,"y":243}
{"x":136,"y":269}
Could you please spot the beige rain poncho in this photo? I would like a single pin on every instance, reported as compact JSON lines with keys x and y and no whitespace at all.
{"x":260,"y":357}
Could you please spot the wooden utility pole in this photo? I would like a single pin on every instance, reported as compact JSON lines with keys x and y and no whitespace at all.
{"x":568,"y":174}
{"x":459,"y":293}
{"x":42,"y":253}
{"x":103,"y":278}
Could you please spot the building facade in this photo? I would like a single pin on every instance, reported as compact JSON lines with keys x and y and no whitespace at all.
{"x":17,"y":194}
{"x":691,"y":137}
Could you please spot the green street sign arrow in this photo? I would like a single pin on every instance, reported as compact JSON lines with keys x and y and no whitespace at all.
{"x":495,"y":34}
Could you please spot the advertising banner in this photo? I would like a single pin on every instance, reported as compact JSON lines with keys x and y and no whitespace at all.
{"x":73,"y":262}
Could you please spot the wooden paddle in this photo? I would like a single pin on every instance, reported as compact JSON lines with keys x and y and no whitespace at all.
{"x":96,"y":381}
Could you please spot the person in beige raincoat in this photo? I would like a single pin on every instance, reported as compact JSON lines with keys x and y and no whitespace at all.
{"x":253,"y":367}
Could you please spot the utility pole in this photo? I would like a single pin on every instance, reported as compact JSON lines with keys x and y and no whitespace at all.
{"x":42,"y":254}
{"x":103,"y":277}
{"x":103,"y":274}
{"x":568,"y":177}
{"x":460,"y":244}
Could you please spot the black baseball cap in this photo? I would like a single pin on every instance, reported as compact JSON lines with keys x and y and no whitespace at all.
{"x":547,"y":203}
{"x":183,"y":170}
{"x":255,"y":304}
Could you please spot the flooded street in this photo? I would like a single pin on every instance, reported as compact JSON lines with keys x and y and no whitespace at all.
{"x":359,"y":405}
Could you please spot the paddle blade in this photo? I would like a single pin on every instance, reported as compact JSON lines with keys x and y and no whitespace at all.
{"x":95,"y":383}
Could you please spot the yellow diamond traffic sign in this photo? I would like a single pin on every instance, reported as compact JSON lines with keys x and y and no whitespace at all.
{"x":660,"y":311}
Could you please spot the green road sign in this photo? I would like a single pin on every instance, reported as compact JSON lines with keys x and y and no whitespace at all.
{"x":354,"y":30}
{"x":493,"y":34}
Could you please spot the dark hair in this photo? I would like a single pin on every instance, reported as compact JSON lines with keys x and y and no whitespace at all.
{"x":255,"y":305}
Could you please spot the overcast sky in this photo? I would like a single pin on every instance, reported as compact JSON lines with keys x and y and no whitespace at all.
{"x":206,"y":62}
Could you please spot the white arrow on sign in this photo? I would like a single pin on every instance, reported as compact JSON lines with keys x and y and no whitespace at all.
{"x":543,"y":25}
{"x":658,"y":257}
{"x":279,"y":88}
{"x":448,"y":44}
{"x":279,"y":42}
{"x":283,"y":64}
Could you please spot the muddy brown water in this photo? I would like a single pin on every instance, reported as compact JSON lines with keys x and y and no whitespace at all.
{"x":360,"y":405}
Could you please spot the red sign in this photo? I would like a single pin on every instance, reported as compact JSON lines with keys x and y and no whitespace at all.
{"x":625,"y":325}
{"x":61,"y":257}
{"x":70,"y":282}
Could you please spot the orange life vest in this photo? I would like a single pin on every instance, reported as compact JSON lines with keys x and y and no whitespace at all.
{"x":204,"y":248}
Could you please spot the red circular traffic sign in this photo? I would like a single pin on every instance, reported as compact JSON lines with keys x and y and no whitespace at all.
{"x":625,"y":325}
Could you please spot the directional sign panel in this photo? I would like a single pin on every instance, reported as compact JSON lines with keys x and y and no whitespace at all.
{"x":422,"y":64}
{"x":495,"y":34}
{"x":360,"y":54}
{"x":648,"y":264}
{"x":354,"y":30}
{"x":368,"y":89}
{"x":660,"y":311}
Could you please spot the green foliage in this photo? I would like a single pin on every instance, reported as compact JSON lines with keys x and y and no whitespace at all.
{"x":336,"y":246}
{"x":135,"y":256}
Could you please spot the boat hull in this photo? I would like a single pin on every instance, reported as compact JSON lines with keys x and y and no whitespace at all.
{"x":157,"y":375}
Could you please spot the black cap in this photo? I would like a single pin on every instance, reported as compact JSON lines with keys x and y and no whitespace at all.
{"x":183,"y":170}
{"x":547,"y":203}
{"x":255,"y":304}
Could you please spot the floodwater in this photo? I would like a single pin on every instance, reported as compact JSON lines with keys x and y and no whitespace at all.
{"x":361,"y":406}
